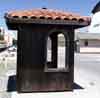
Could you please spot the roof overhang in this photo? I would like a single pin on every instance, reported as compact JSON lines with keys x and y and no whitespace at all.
{"x":47,"y":17}
{"x":47,"y":21}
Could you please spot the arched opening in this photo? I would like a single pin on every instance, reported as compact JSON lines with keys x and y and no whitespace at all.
{"x":57,"y":52}
{"x":49,"y":50}
{"x":61,"y":52}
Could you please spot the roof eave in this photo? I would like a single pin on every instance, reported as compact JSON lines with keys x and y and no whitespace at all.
{"x":47,"y":21}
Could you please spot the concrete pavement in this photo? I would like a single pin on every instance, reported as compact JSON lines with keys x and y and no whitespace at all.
{"x":87,"y":71}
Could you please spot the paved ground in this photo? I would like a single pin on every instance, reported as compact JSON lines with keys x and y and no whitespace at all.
{"x":87,"y":71}
{"x":90,"y":49}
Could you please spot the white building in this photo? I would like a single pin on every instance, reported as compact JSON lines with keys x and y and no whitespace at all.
{"x":6,"y":37}
{"x":88,"y":42}
{"x":95,"y":20}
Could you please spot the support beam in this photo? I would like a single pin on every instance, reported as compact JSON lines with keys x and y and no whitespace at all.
{"x":54,"y":50}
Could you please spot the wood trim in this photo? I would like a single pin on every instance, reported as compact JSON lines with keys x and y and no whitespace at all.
{"x":47,"y":21}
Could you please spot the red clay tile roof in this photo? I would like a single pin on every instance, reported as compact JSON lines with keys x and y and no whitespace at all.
{"x":47,"y":14}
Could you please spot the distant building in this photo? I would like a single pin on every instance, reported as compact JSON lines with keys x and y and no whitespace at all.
{"x":88,"y":42}
{"x":6,"y":38}
{"x":95,"y":19}
{"x":2,"y":33}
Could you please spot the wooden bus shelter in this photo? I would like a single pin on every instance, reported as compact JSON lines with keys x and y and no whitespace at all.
{"x":34,"y":72}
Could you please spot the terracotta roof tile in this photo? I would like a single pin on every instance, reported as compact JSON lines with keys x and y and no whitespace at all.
{"x":47,"y":14}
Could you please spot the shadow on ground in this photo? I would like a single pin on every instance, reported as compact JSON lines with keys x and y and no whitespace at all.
{"x":77,"y":86}
{"x":11,"y":87}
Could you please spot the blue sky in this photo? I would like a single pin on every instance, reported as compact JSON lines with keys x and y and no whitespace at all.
{"x":82,"y":7}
